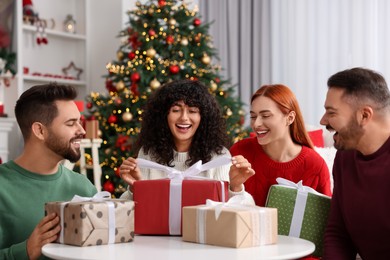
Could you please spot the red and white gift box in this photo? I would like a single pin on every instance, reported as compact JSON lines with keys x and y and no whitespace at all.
{"x":158,"y":203}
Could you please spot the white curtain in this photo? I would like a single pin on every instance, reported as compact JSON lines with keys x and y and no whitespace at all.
{"x":299,"y":43}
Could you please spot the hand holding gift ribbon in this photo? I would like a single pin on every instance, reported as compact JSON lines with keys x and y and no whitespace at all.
{"x":300,"y":204}
{"x":102,"y":196}
{"x":176,"y":178}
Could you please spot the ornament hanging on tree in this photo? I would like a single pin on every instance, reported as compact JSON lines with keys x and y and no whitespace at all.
{"x":127,"y":117}
{"x":109,"y":186}
{"x":184,"y":42}
{"x":206,"y":59}
{"x":112,"y":119}
{"x":119,"y":55}
{"x":151,"y":53}
{"x":170,"y":39}
{"x":174,"y":69}
{"x":120,"y":85}
{"x":172,"y":21}
{"x":213,"y":86}
{"x":131,"y":55}
{"x":197,"y":22}
{"x":155,"y":84}
{"x":152,"y":32}
{"x":161,"y":3}
{"x":135,"y":77}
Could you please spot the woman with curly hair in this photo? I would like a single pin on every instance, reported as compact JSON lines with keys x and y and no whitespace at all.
{"x":182,"y":123}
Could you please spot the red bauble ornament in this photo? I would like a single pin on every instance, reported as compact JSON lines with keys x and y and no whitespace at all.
{"x":110,"y":87}
{"x":117,"y":172}
{"x":152,"y":32}
{"x":170,"y":39}
{"x":109,"y":186}
{"x":161,"y":3}
{"x":112,"y":119}
{"x":135,"y":77}
{"x":174,"y":69}
{"x":89,"y":105}
{"x":197,"y":22}
{"x":134,"y":89}
{"x":131,"y":55}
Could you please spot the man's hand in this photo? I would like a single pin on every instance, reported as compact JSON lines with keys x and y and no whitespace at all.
{"x":45,"y":232}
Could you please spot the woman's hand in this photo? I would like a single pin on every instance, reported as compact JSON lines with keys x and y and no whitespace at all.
{"x":129,"y":171}
{"x":239,"y":172}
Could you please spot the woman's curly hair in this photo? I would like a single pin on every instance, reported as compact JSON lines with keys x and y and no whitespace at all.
{"x":156,"y":138}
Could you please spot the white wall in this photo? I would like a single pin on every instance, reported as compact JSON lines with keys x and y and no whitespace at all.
{"x":106,"y":19}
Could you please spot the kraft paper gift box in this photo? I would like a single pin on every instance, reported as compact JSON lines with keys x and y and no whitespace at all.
{"x":302,"y":211}
{"x":158,"y":203}
{"x":230,"y":225}
{"x":92,"y":129}
{"x":94,"y":221}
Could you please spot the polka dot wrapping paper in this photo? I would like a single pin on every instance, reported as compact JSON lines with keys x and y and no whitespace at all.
{"x":315,"y":214}
{"x":91,"y":223}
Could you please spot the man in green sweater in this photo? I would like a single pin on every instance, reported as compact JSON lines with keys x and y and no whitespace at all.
{"x":50,"y":124}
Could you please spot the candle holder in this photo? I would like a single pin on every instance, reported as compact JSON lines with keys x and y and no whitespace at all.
{"x":70,"y":24}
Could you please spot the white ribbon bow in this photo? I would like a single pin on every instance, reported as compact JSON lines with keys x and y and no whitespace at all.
{"x":102,"y":196}
{"x":238,"y":201}
{"x":177,"y":177}
{"x":258,"y":223}
{"x":191,"y":172}
{"x":300,"y":204}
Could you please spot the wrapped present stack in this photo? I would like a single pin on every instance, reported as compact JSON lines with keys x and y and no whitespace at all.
{"x":302,"y":211}
{"x":94,"y":221}
{"x":229,"y":225}
{"x":161,"y":215}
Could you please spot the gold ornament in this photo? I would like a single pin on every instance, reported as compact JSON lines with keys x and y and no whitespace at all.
{"x":151,"y":52}
{"x":120,"y":85}
{"x":151,"y":11}
{"x":206,"y":59}
{"x":213,"y":86}
{"x":119,"y":54}
{"x":172,"y":21}
{"x":184,"y":41}
{"x":127,"y":116}
{"x":154,"y":84}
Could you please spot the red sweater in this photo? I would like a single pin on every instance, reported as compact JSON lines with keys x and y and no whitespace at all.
{"x":359,"y":219}
{"x":308,"y":166}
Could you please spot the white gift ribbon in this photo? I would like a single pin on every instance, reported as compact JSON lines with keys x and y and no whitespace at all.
{"x":102,"y":196}
{"x":300,"y":204}
{"x":175,"y":188}
{"x":259,"y":219}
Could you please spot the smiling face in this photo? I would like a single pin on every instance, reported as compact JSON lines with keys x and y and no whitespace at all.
{"x":340,"y":118}
{"x":65,"y":132}
{"x":183,"y":121}
{"x":268,"y":121}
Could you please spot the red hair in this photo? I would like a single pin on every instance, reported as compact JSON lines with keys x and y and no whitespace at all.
{"x":287,"y":102}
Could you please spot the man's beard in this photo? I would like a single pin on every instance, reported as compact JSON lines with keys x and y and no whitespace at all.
{"x":349,"y":136}
{"x":63,"y":148}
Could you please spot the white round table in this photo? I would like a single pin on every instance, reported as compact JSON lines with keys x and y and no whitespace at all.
{"x":170,"y":247}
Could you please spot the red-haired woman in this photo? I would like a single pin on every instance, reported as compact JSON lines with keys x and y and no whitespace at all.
{"x":281,"y":147}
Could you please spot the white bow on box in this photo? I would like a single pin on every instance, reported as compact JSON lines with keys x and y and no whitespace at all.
{"x":102,"y":196}
{"x":300,"y":203}
{"x":177,"y":178}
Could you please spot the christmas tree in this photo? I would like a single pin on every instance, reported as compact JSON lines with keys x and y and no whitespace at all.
{"x":164,"y":41}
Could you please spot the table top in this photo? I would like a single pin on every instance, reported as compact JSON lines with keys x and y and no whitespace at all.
{"x":173,"y":248}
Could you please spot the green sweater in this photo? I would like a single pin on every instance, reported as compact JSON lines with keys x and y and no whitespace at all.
{"x":23,"y":195}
